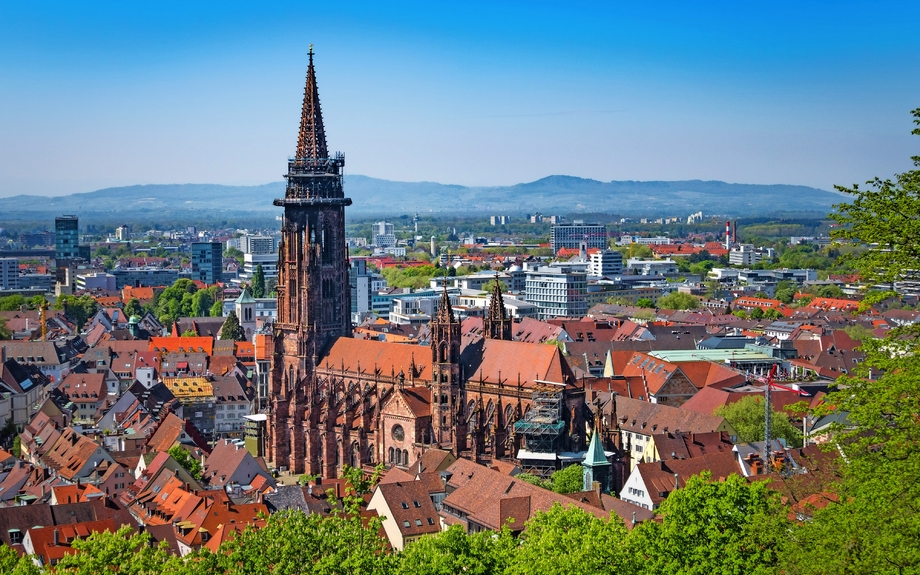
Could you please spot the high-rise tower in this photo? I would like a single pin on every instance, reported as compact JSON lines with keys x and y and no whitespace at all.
{"x":313,"y":291}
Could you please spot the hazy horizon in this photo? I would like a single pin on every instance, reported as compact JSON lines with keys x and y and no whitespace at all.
{"x":479,"y":94}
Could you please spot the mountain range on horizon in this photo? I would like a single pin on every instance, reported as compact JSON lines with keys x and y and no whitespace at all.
{"x":373,"y":196}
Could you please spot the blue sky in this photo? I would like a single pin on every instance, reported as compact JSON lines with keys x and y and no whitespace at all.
{"x":479,"y":93}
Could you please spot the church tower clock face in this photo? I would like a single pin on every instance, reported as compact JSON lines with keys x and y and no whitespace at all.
{"x":398,"y":433}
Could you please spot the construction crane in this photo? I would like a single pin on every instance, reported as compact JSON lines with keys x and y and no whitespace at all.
{"x":43,"y":307}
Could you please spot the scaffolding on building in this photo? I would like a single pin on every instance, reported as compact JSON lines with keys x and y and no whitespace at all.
{"x":540,"y":429}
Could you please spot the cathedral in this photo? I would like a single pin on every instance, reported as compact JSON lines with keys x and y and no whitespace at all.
{"x":336,"y":400}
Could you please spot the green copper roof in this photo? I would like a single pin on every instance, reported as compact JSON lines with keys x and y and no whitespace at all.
{"x":595,"y":456}
{"x":245,"y":297}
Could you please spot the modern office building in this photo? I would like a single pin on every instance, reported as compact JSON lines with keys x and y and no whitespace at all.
{"x":606,"y":263}
{"x":572,"y":235}
{"x":254,"y":244}
{"x":384,"y":235}
{"x":66,"y":237}
{"x":557,"y":292}
{"x":146,"y":277}
{"x":9,"y":273}
{"x":207,"y":262}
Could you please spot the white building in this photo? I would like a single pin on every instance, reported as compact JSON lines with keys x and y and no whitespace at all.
{"x":644,"y":267}
{"x":606,"y":263}
{"x":384,"y":235}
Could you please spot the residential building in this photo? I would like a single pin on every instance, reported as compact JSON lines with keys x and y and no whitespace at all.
{"x":557,"y":292}
{"x":572,"y":235}
{"x":407,"y":510}
{"x":649,"y":484}
{"x":123,"y":233}
{"x":207,"y":262}
{"x":499,"y":220}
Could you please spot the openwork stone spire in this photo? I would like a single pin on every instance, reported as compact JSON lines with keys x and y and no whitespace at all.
{"x":311,"y":143}
{"x":495,"y":325}
{"x":445,"y":311}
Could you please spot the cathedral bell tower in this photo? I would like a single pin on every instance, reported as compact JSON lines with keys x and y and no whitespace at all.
{"x":446,"y":401}
{"x":313,"y":293}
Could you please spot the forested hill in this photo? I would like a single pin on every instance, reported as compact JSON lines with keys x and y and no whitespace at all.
{"x":553,"y":194}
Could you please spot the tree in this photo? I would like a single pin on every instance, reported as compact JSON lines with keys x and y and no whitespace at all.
{"x":201,"y":303}
{"x":258,"y":282}
{"x":571,"y":541}
{"x":756,"y":313}
{"x":5,"y":332}
{"x":885,"y":214}
{"x":232,"y":330}
{"x":455,"y":551}
{"x":293,"y":543}
{"x":217,"y":309}
{"x":491,"y":286}
{"x":859,"y":332}
{"x":678,"y":300}
{"x":186,"y":460}
{"x":748,"y":416}
{"x":830,"y":291}
{"x":879,"y":487}
{"x":175,"y":301}
{"x":535,"y":480}
{"x":13,"y":564}
{"x":569,"y":479}
{"x":133,"y":307}
{"x":785,"y":295}
{"x":730,"y":526}
{"x":772,"y":313}
{"x":121,"y":552}
{"x":12,"y":302}
{"x":645,"y":302}
{"x":77,"y":308}
{"x":235,"y":254}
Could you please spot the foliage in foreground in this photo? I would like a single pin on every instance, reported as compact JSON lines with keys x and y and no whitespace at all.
{"x":707,"y":528}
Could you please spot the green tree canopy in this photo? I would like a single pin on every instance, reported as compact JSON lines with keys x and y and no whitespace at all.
{"x":258,"y":282}
{"x":570,"y":541}
{"x":133,"y":307}
{"x":217,"y":309}
{"x":77,"y":308}
{"x":730,"y":526}
{"x":885,"y":213}
{"x":748,"y":417}
{"x":232,"y":330}
{"x":186,"y":460}
{"x":645,"y":302}
{"x":568,"y":480}
{"x":678,"y":300}
{"x":454,"y":551}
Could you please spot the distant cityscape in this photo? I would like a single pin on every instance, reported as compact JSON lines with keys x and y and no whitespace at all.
{"x":192,"y":382}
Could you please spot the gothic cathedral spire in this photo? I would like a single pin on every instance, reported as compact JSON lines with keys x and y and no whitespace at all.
{"x":314,"y":299}
{"x":495,"y":325}
{"x":311,"y":143}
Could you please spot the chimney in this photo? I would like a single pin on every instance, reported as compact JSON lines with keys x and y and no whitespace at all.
{"x":597,"y":489}
{"x":676,"y":482}
{"x":57,"y":538}
{"x":634,"y":518}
